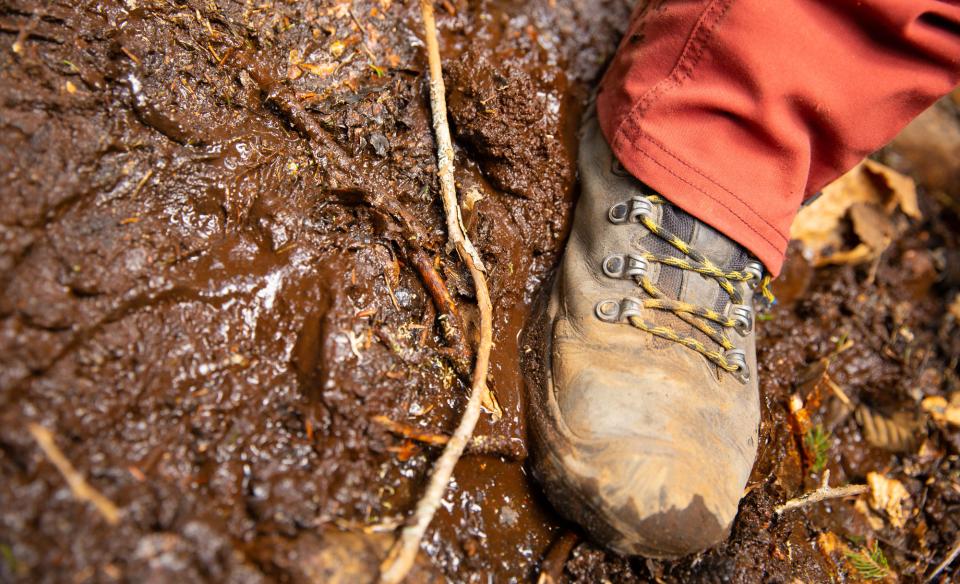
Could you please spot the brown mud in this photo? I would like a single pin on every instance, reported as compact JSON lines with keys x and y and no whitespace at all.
{"x":217,"y":224}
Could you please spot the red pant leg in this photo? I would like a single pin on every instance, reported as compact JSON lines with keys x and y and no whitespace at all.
{"x":737,"y":110}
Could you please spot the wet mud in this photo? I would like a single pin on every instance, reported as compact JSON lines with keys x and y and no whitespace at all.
{"x":220,"y":241}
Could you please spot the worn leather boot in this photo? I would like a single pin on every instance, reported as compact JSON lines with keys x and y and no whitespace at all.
{"x":644,"y":401}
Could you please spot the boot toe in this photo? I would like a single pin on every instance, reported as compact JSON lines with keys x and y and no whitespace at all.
{"x":637,"y":504}
{"x":635,"y":478}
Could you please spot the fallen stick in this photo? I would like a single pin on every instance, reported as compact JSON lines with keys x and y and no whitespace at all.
{"x":78,"y":485}
{"x":512,"y":448}
{"x":404,"y":551}
{"x":823,"y":493}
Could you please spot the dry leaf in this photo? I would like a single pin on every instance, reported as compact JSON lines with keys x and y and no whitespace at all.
{"x":871,"y":225}
{"x":866,"y":199}
{"x":472,"y":197}
{"x":903,"y":191}
{"x":941,"y":410}
{"x":888,"y":496}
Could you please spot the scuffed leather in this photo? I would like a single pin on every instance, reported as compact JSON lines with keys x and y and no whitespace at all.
{"x":644,"y":442}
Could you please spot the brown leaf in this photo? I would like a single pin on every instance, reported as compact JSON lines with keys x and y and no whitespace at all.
{"x":870,"y":224}
{"x":865,"y":200}
{"x":888,"y":496}
{"x":902,"y":189}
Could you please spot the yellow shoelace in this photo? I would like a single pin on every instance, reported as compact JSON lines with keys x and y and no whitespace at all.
{"x":697,"y":316}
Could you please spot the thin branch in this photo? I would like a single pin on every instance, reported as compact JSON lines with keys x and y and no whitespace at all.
{"x":78,"y":485}
{"x":507,"y":446}
{"x":823,"y":493}
{"x":945,"y":563}
{"x":403,"y":553}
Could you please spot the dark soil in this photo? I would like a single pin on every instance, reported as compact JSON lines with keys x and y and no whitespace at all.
{"x":212,"y":216}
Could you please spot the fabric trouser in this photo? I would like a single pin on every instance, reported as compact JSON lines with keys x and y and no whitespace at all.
{"x":738,"y":110}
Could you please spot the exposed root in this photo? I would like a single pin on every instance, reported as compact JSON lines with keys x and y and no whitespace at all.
{"x":512,"y":448}
{"x":78,"y":485}
{"x":823,"y":493}
{"x":403,"y":553}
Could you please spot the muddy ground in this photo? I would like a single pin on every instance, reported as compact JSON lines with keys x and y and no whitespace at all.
{"x":217,"y":221}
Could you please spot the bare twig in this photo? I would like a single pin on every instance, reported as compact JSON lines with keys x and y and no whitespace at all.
{"x":78,"y":485}
{"x":497,"y":445}
{"x":403,"y":553}
{"x":822,"y":494}
{"x":945,"y":563}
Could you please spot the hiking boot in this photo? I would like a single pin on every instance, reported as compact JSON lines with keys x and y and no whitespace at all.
{"x":644,"y":402}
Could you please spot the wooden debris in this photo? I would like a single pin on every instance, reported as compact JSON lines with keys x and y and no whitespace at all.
{"x":945,"y":563}
{"x":450,"y":320}
{"x":823,"y":493}
{"x":512,"y":448}
{"x":404,"y":552}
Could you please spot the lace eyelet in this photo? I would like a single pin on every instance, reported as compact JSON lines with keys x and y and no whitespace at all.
{"x":630,"y":211}
{"x":608,"y":310}
{"x":618,"y":213}
{"x":738,"y":358}
{"x":755,"y":269}
{"x":624,"y":266}
{"x":619,"y":310}
{"x":742,"y":317}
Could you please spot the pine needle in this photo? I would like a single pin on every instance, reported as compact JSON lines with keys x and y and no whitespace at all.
{"x":817,"y":442}
{"x":870,"y":563}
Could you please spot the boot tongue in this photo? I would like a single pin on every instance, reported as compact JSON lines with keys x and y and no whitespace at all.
{"x":697,"y":290}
